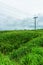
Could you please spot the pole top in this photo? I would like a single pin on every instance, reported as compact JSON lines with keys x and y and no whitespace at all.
{"x":35,"y":17}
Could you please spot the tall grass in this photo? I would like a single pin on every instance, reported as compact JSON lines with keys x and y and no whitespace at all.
{"x":21,"y":47}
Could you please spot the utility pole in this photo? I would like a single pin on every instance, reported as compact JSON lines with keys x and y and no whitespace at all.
{"x":35,"y":18}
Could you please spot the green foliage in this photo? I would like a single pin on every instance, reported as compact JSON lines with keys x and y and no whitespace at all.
{"x":4,"y":60}
{"x":15,"y":39}
{"x":32,"y":59}
{"x":21,"y":47}
{"x":19,"y":53}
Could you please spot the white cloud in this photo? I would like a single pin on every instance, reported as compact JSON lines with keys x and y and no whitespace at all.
{"x":24,"y":7}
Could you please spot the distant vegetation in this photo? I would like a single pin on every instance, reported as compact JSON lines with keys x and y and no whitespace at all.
{"x":22,"y":47}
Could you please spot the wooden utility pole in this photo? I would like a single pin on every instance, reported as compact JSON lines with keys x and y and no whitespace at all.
{"x":35,"y":21}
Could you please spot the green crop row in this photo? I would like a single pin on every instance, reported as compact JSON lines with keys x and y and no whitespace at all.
{"x":27,"y":48}
{"x":14,"y":40}
{"x":21,"y":47}
{"x":31,"y":59}
{"x":4,"y":60}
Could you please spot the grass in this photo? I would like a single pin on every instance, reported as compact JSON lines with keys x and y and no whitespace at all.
{"x":4,"y":60}
{"x":22,"y":47}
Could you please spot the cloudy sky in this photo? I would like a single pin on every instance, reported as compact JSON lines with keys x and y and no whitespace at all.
{"x":15,"y":14}
{"x":22,"y":8}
